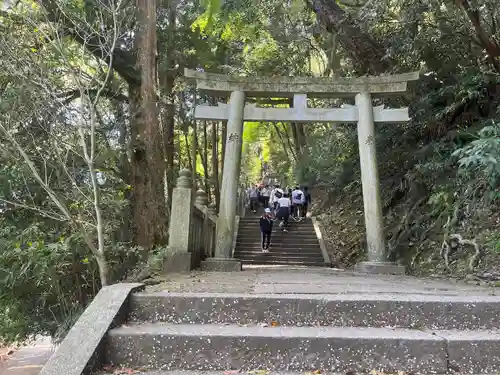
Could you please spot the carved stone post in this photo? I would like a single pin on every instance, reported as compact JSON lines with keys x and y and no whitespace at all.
{"x":223,"y":260}
{"x":179,"y":254}
{"x":374,"y":222}
{"x":201,"y":198}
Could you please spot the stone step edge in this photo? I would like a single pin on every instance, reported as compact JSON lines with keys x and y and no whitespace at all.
{"x":310,"y":333}
{"x":264,"y":262}
{"x":242,"y":372}
{"x":336,"y":297}
{"x":278,"y":251}
{"x":442,"y":350}
{"x":234,"y":372}
{"x":265,"y":257}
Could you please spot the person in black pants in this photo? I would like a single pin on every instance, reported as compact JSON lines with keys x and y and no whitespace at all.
{"x":307,"y":201}
{"x":283,"y":213}
{"x":266,"y":228}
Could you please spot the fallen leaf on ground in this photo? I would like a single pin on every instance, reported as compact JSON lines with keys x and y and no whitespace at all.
{"x":231,"y":372}
{"x":274,"y":324}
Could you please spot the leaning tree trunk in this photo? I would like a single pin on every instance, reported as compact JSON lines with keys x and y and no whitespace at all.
{"x":194,"y":153}
{"x":215,"y":164}
{"x":205,"y":160}
{"x":367,"y":54}
{"x":223,"y":149}
{"x":148,"y":166}
{"x":167,"y":81}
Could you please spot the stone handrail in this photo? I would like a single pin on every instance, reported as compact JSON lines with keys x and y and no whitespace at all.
{"x":192,"y":227}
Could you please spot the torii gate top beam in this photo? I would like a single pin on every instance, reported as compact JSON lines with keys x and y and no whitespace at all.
{"x":285,"y":87}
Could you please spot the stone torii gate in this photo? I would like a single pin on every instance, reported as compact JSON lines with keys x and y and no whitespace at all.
{"x":300,"y":88}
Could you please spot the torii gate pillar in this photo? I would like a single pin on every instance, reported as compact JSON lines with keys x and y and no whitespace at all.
{"x":223,"y":260}
{"x":374,"y":221}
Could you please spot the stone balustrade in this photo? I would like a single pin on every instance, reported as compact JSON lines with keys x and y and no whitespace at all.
{"x":192,"y":227}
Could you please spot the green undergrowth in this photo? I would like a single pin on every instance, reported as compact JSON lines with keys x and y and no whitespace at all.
{"x":440,"y":186}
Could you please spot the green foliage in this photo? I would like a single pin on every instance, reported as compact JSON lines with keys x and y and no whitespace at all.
{"x":45,"y":285}
{"x":327,"y":161}
{"x":482,"y":156}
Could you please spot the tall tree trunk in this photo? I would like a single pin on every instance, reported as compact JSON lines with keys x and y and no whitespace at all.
{"x":147,"y":160}
{"x":204,"y":159}
{"x":485,"y":39}
{"x":124,"y":168}
{"x":223,"y":149}
{"x":299,"y":138}
{"x":194,"y":153}
{"x":215,"y":164}
{"x":367,"y":54}
{"x":167,"y":81}
{"x":282,"y":139}
{"x":188,"y":151}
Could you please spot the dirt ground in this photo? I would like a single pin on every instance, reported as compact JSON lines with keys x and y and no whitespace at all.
{"x":26,"y":360}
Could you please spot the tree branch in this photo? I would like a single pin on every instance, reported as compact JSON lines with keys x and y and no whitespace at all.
{"x":124,"y":62}
{"x":69,"y":96}
{"x":368,"y":56}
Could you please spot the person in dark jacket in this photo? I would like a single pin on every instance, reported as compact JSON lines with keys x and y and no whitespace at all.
{"x":307,"y":204}
{"x":266,"y":228}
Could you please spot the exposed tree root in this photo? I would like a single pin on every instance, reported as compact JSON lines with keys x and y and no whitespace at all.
{"x":452,"y":243}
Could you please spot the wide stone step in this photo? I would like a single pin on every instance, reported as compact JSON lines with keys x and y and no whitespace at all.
{"x":256,"y":246}
{"x":279,"y":251}
{"x":295,"y":231}
{"x":256,"y":221}
{"x":278,"y":241}
{"x":275,"y":254}
{"x":257,"y":371}
{"x":281,"y":254}
{"x":291,"y":222}
{"x":279,"y":237}
{"x":348,"y":310}
{"x":283,"y":262}
{"x":169,"y":346}
{"x":278,"y":231}
{"x":273,"y":260}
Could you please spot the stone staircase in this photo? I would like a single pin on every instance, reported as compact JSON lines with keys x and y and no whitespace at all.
{"x":212,"y":333}
{"x":298,"y":246}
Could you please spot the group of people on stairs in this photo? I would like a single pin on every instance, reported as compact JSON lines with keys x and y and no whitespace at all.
{"x":278,"y":204}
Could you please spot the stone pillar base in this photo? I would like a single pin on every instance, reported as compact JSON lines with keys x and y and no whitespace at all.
{"x":177,"y":262}
{"x":221,"y":265}
{"x":386,"y":268}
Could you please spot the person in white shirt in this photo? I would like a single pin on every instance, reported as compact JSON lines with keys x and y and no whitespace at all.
{"x":298,"y":200}
{"x":276,"y":194}
{"x":283,"y":213}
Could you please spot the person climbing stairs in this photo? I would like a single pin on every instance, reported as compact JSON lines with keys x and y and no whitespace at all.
{"x":298,"y":246}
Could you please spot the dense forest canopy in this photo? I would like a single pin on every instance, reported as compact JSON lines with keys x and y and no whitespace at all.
{"x":96,"y":121}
